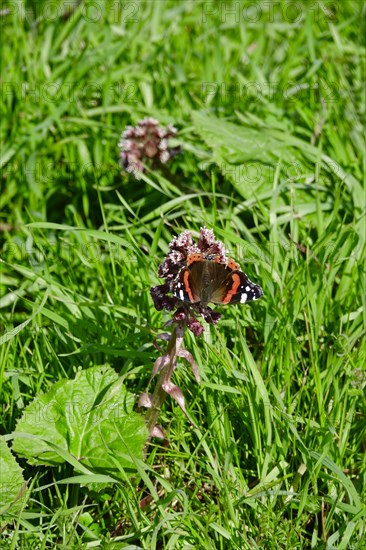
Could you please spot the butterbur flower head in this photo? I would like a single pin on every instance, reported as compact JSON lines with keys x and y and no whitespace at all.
{"x":196,"y":274}
{"x":147,"y":140}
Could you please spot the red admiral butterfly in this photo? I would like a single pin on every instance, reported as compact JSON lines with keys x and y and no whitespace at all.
{"x":207,"y":279}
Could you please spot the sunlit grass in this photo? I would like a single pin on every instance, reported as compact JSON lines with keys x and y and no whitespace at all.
{"x":269,"y":112}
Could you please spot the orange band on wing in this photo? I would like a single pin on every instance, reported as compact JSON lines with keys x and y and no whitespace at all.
{"x":186,"y":285}
{"x":232,"y":265}
{"x":194,"y":258}
{"x":234,"y":288}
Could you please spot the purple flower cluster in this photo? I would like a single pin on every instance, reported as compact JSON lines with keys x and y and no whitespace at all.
{"x":147,"y":140}
{"x":179,"y":250}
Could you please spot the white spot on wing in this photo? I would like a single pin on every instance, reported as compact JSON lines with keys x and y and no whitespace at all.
{"x":181,"y":294}
{"x":247,"y":288}
{"x":243,"y":298}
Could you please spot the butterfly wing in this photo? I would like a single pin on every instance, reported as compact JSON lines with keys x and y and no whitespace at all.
{"x":208,"y":281}
{"x":186,"y":288}
{"x":236,"y":288}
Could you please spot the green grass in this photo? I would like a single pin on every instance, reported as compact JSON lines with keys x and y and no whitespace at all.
{"x":277,"y":170}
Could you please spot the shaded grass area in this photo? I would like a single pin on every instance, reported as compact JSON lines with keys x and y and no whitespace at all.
{"x":269,"y":104}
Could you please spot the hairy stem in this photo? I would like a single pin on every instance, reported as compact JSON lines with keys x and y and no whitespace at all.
{"x":157,"y":398}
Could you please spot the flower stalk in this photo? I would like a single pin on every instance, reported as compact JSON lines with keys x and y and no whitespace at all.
{"x":165,"y":366}
{"x":181,"y":295}
{"x":168,"y":365}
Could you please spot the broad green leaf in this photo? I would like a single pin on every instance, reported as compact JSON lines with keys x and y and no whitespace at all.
{"x":12,"y":484}
{"x":90,"y":418}
{"x":248,"y":156}
{"x":237,"y":143}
